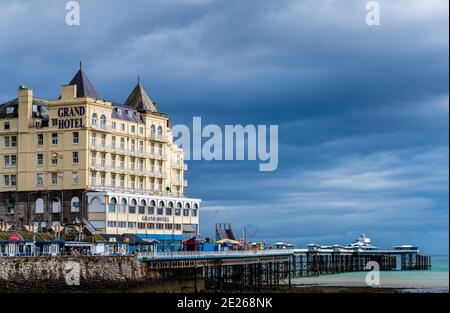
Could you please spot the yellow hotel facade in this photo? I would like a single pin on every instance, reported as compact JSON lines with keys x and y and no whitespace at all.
{"x":80,"y":160}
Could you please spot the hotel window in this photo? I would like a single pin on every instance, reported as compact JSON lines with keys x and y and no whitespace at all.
{"x":6,"y":161}
{"x":113,"y":142}
{"x":113,"y":180}
{"x":194,"y":212}
{"x":39,"y":205}
{"x":102,"y":179}
{"x":75,"y":137}
{"x":152,"y":148}
{"x":160,"y":186}
{"x":151,"y":208}
{"x":177,"y":212}
{"x":56,"y":205}
{"x":178,"y":226}
{"x":168,"y":226}
{"x":132,"y":145}
{"x":13,"y":160}
{"x":112,"y":223}
{"x":141,"y":183}
{"x":132,"y":182}
{"x":160,"y":209}
{"x":141,"y":147}
{"x":54,"y":160}
{"x":159,"y":226}
{"x":13,"y":180}
{"x":131,"y":224}
{"x":141,"y":130}
{"x":159,"y":132}
{"x":54,"y":178}
{"x":6,"y":142}
{"x":122,"y":143}
{"x":141,"y":165}
{"x":54,"y":122}
{"x":39,"y":179}
{"x":93,"y":177}
{"x":141,"y":208}
{"x":103,"y":122}
{"x":141,"y":225}
{"x":93,"y":139}
{"x":152,"y":131}
{"x":122,"y":126}
{"x":133,"y":129}
{"x":74,"y":177}
{"x":113,"y":125}
{"x":122,"y":224}
{"x":103,"y":141}
{"x":122,"y":181}
{"x":159,"y":151}
{"x":132,"y":163}
{"x":123,"y":206}
{"x":102,"y":159}
{"x":185,"y":212}
{"x":113,"y":161}
{"x":39,"y":159}
{"x":94,"y":120}
{"x":75,"y":158}
{"x":122,"y":162}
{"x":40,"y":139}
{"x":169,"y":211}
{"x":75,"y":204}
{"x":6,"y":125}
{"x":93,"y":158}
{"x":150,"y":225}
{"x":112,"y":205}
{"x":13,"y":141}
{"x":54,"y":138}
{"x":6,"y":180}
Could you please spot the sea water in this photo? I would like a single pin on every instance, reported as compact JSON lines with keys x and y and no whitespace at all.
{"x":436,"y":279}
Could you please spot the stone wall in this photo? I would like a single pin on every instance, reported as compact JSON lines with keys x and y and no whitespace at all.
{"x":25,"y":207}
{"x":97,"y":273}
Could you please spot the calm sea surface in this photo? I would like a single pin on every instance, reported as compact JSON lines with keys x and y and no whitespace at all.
{"x":435,"y":279}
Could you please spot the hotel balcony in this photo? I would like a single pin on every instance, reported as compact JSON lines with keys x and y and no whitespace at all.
{"x":158,"y":137}
{"x":137,"y":190}
{"x":179,"y":165}
{"x":156,"y":155}
{"x":179,"y":182}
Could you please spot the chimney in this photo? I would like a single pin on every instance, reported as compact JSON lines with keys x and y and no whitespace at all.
{"x":25,"y":108}
{"x":69,"y":92}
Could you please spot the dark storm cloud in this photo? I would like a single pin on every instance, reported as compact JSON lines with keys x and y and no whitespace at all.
{"x":362,"y":111}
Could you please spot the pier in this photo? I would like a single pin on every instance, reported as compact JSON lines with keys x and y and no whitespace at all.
{"x":268,"y":269}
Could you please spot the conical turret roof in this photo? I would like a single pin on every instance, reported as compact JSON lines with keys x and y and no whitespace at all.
{"x":140,"y":100}
{"x":84,"y":86}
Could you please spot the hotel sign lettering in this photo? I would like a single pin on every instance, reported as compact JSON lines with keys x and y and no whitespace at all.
{"x":156,"y":219}
{"x":71,"y":117}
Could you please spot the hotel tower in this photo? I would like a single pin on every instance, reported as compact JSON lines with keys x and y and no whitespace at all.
{"x":97,"y":166}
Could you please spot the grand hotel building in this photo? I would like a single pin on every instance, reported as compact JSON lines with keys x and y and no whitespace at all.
{"x":80,"y":160}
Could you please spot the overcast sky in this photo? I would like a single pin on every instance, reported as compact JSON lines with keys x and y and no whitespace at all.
{"x":362,"y":111}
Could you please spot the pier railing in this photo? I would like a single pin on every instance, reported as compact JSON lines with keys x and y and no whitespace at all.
{"x":172,"y":255}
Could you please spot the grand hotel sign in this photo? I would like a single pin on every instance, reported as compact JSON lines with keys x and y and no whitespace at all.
{"x":71,"y":117}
